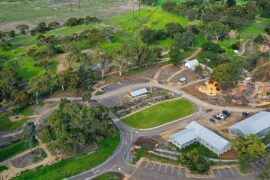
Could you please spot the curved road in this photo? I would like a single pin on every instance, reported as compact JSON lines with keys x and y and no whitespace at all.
{"x":118,"y":162}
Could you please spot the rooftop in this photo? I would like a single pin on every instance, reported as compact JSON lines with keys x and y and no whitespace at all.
{"x":254,"y":124}
{"x":138,"y":92}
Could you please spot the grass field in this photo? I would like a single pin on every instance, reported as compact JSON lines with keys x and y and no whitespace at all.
{"x":72,"y":166}
{"x":34,"y":11}
{"x":160,"y":114}
{"x":7,"y":125}
{"x":12,"y":150}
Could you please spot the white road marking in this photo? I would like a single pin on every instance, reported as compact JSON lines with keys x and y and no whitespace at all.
{"x":153,"y":166}
{"x":146,"y":164}
{"x":232,"y":171}
{"x":165,"y":170}
{"x":226,"y":172}
{"x":159,"y":167}
{"x":179,"y":172}
{"x":219,"y":173}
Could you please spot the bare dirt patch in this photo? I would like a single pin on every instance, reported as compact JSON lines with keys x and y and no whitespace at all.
{"x":15,"y":118}
{"x":231,"y":154}
{"x":62,"y":63}
{"x":190,"y":76}
{"x":167,"y":72}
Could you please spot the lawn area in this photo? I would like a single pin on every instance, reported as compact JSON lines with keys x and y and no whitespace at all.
{"x":7,"y":125}
{"x":154,"y":18}
{"x":12,"y":150}
{"x":110,"y":176}
{"x":72,"y":166}
{"x":201,"y":149}
{"x":160,"y":114}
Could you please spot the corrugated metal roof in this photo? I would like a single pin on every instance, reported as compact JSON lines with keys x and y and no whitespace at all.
{"x":192,"y":63}
{"x":138,"y":92}
{"x":194,"y":130}
{"x":254,"y":124}
{"x":184,"y":136}
{"x":208,"y":136}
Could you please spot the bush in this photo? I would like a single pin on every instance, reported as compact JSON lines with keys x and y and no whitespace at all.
{"x":259,"y":39}
{"x":236,"y":46}
{"x":212,"y":47}
{"x":195,"y":162}
{"x":267,"y":29}
{"x":53,"y":25}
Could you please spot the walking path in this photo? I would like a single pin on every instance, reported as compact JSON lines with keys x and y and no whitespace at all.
{"x":243,"y":47}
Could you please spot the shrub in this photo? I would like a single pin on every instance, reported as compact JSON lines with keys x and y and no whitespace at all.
{"x":212,"y":47}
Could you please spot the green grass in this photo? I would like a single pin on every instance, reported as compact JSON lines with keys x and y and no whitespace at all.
{"x":2,"y":168}
{"x":153,"y":18}
{"x":12,"y":150}
{"x":29,"y":111}
{"x":160,"y":114}
{"x":201,"y":149}
{"x":7,"y":125}
{"x":72,"y":166}
{"x":110,"y":176}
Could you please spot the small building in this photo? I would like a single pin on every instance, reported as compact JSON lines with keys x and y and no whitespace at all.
{"x":195,"y":132}
{"x":192,"y":64}
{"x":258,"y":124}
{"x":138,"y":92}
{"x":183,"y":80}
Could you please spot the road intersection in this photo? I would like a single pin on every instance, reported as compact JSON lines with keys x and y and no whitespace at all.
{"x":118,"y":161}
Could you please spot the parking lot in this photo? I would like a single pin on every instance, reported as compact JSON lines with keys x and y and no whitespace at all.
{"x":258,"y":166}
{"x":114,"y":86}
{"x":226,"y":172}
{"x":149,"y":170}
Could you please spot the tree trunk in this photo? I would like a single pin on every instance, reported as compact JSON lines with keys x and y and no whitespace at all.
{"x":37,"y":101}
{"x":102,"y":74}
{"x":79,"y":4}
{"x":70,"y":4}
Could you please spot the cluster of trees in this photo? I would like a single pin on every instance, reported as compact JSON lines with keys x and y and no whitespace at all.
{"x":10,"y":90}
{"x":227,"y":74}
{"x":74,"y":125}
{"x":127,"y":57}
{"x":42,"y":27}
{"x":149,"y":2}
{"x":248,"y":148}
{"x":228,"y":14}
{"x":195,"y":162}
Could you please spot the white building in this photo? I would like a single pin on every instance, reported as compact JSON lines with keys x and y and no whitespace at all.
{"x":257,"y":124}
{"x":195,"y":132}
{"x":192,"y":64}
{"x":138,"y":92}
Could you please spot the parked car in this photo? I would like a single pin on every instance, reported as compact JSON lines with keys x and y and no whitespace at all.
{"x":219,"y":116}
{"x":245,"y":114}
{"x":212,"y":120}
{"x":227,"y":113}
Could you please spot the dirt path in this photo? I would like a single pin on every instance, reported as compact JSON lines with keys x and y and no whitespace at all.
{"x":195,"y":53}
{"x":175,"y":74}
{"x":267,"y":36}
{"x":243,"y":47}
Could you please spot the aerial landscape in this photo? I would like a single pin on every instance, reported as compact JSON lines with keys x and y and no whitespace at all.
{"x":135,"y":89}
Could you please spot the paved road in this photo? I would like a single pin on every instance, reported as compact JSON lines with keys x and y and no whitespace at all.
{"x":118,"y":161}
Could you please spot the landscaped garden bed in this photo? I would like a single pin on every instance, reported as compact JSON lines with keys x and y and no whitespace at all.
{"x":27,"y":159}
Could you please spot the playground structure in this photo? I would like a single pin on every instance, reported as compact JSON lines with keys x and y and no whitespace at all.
{"x":211,"y":88}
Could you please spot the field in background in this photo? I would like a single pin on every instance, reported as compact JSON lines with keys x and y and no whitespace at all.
{"x":34,"y":11}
